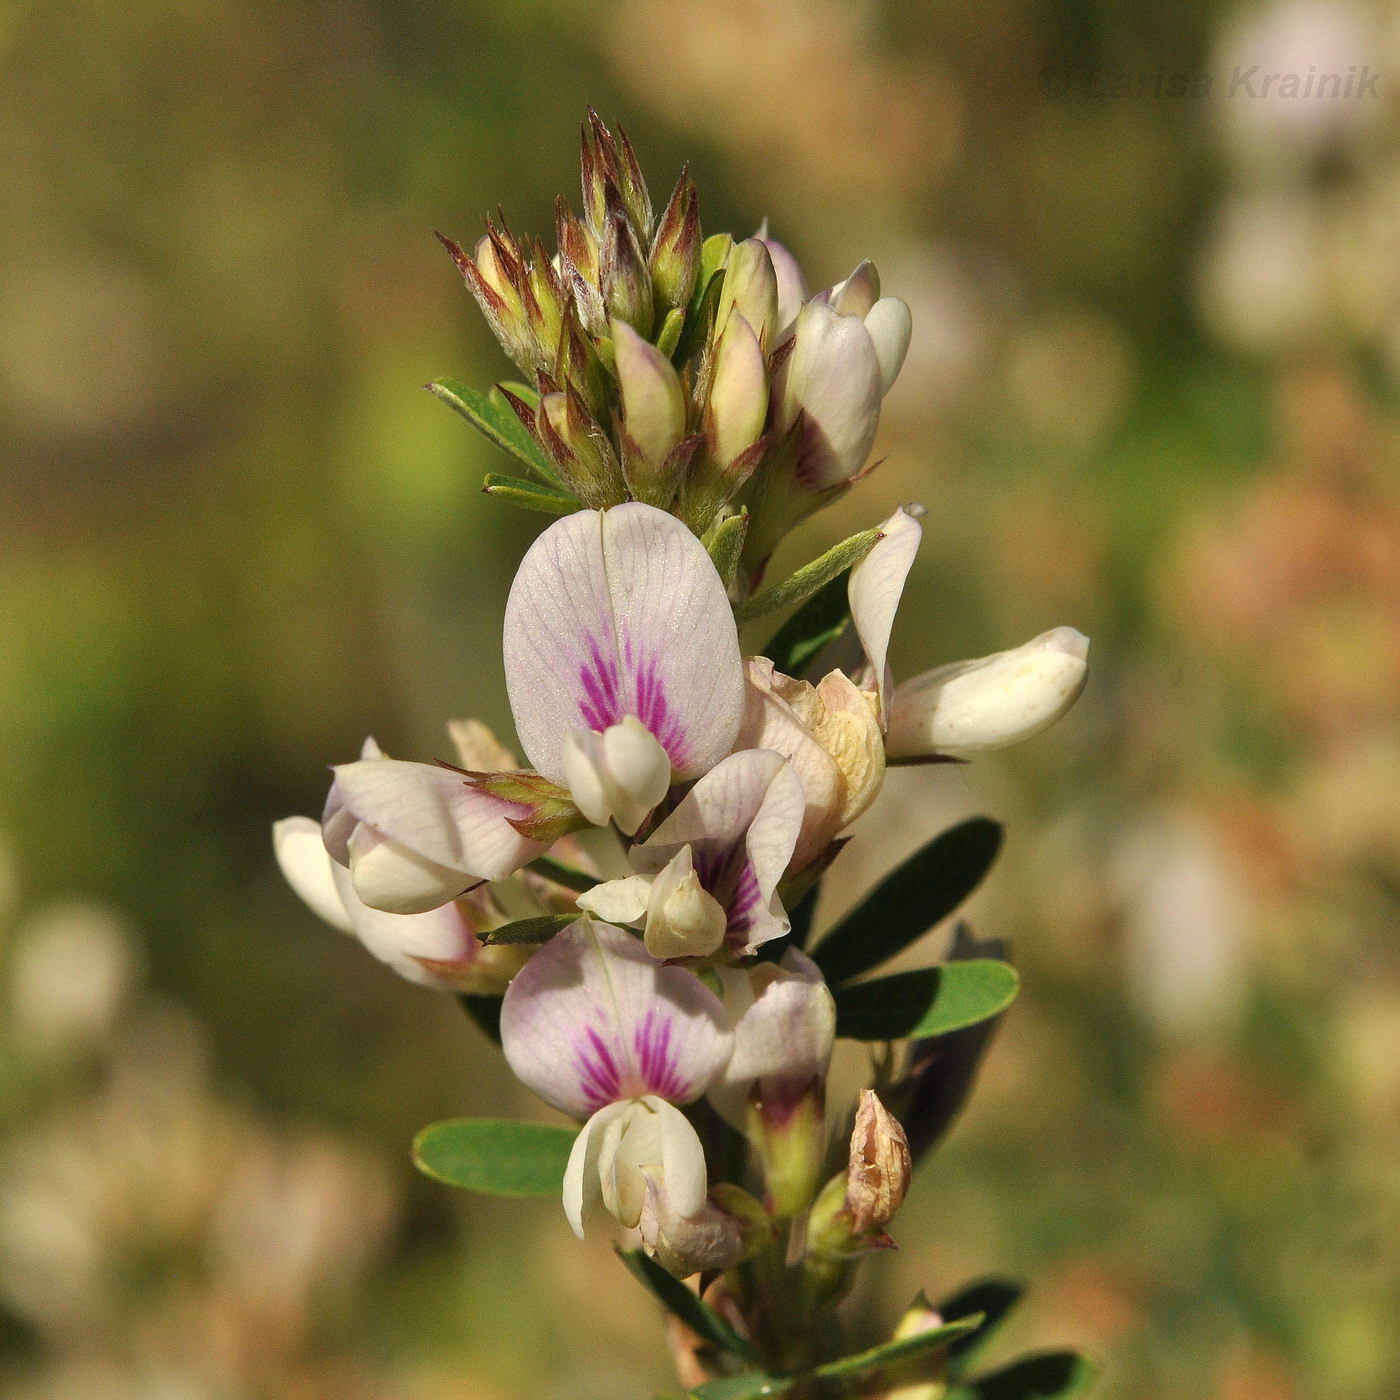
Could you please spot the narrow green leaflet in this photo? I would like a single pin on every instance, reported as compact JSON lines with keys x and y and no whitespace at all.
{"x":931,"y":1001}
{"x":1048,"y":1375}
{"x":909,"y":901}
{"x":497,"y":1156}
{"x":562,"y":874}
{"x":495,"y":420}
{"x":529,"y":495}
{"x":753,"y":1385}
{"x":676,"y":1298}
{"x":993,"y":1298}
{"x":866,"y":1363}
{"x":485,"y":1011}
{"x":538,"y":930}
{"x":813,"y":627}
{"x":797,"y":587}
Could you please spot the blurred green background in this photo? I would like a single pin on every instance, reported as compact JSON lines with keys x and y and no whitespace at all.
{"x":1152,"y":394}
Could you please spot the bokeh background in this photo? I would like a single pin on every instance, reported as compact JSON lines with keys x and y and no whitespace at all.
{"x":1152,"y":393}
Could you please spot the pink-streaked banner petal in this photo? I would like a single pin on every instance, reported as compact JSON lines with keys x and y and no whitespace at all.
{"x":615,"y":613}
{"x":876,"y":586}
{"x":592,"y":1019}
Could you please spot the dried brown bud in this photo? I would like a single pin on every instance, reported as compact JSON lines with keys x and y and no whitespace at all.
{"x":880,"y":1166}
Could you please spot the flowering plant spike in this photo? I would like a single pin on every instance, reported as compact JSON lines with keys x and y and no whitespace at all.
{"x":629,"y":909}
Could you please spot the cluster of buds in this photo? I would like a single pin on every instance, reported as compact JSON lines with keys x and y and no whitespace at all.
{"x":692,"y":374}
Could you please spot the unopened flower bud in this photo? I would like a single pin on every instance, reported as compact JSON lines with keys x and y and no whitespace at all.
{"x":619,"y":775}
{"x":496,"y":279}
{"x":920,"y":1376}
{"x":972,"y":707}
{"x":580,"y":450}
{"x":675,"y":255}
{"x":858,"y":293}
{"x":784,"y":1030}
{"x":751,"y":288}
{"x":653,"y":414}
{"x":626,"y":279}
{"x":792,"y":286}
{"x":738,"y":403}
{"x":890,"y":327}
{"x":831,"y":381}
{"x":880,"y":1166}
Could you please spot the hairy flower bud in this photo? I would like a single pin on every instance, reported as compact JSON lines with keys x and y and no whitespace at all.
{"x":738,"y":403}
{"x":626,"y":279}
{"x":653,"y":415}
{"x":675,"y":255}
{"x":619,"y":775}
{"x":751,"y":289}
{"x":972,"y":707}
{"x":579,"y":448}
{"x":495,"y":277}
{"x":880,"y":1166}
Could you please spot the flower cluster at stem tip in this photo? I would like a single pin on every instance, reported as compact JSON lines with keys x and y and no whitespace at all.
{"x":686,"y":402}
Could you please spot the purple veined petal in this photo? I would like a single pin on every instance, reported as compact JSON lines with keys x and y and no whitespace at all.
{"x":423,"y":833}
{"x":307,"y":868}
{"x":741,"y":822}
{"x":616,"y":613}
{"x":876,"y":586}
{"x":592,"y":1018}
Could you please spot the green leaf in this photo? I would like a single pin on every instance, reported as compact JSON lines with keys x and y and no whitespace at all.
{"x":485,"y":1011}
{"x":889,"y":1353}
{"x":753,"y":1385}
{"x":797,"y":587}
{"x":529,"y":495}
{"x":537,"y":930}
{"x":993,"y":1298}
{"x":930,"y":1001}
{"x":562,"y":874}
{"x":909,"y":901}
{"x":813,"y":627}
{"x":676,"y":1298}
{"x":1048,"y":1375}
{"x":497,"y":1156}
{"x":495,"y":420}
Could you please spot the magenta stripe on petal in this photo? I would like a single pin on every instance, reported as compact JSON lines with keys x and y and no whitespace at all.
{"x":598,"y":1074}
